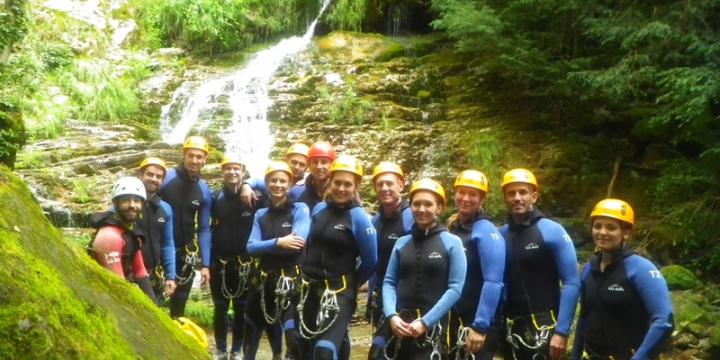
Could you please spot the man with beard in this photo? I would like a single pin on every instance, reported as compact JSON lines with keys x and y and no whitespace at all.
{"x":190,"y":200}
{"x":117,"y":243}
{"x":156,"y":224}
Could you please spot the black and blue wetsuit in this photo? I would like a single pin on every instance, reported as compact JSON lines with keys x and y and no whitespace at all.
{"x":424,"y":279}
{"x":539,"y":255}
{"x":340,"y":253}
{"x":190,"y":200}
{"x":270,"y":224}
{"x":389,"y":230}
{"x":156,"y":223}
{"x":478,"y":304}
{"x":306,"y":193}
{"x":229,"y":268}
{"x":625,"y":311}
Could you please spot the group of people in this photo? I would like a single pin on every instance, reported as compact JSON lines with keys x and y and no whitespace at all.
{"x":289,"y":252}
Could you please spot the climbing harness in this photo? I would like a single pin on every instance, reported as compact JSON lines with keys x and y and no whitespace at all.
{"x":432,"y":338}
{"x":187,"y":271}
{"x":242,"y":273}
{"x":327,"y":312}
{"x":283,"y":286}
{"x":458,"y":351}
{"x":537,"y":343}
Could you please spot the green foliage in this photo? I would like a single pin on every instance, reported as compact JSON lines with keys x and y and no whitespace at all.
{"x":680,"y":278}
{"x":200,"y":312}
{"x":216,"y":26}
{"x":347,"y":14}
{"x":14,"y":19}
{"x":84,"y":190}
{"x":350,"y":109}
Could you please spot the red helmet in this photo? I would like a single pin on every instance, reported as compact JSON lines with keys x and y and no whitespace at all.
{"x":322,"y":149}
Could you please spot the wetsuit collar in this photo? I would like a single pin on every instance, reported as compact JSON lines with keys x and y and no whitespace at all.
{"x":349,"y":205}
{"x":397,"y":210}
{"x":287,"y":204}
{"x":419,"y":234}
{"x":154,"y":199}
{"x":468,"y":225}
{"x":533,"y":216}
{"x":618,"y":256}
{"x":110,"y":218}
{"x":183,"y":174}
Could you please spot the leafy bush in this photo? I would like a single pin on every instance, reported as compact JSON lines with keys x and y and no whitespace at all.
{"x":347,"y":14}
{"x":349,"y":109}
{"x":215,"y":26}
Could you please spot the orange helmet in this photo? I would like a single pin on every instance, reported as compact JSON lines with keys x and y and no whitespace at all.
{"x":322,"y":149}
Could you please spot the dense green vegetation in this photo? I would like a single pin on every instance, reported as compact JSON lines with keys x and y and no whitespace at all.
{"x":210,"y":27}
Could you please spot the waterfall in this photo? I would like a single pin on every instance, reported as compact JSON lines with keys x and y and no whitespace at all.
{"x":244,"y":94}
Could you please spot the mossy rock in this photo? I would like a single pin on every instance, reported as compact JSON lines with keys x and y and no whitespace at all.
{"x":688,"y":312}
{"x":55,"y":302}
{"x":680,"y":278}
{"x":714,"y":339}
{"x":12,"y":134}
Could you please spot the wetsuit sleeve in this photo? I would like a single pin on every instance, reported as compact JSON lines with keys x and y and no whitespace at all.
{"x":257,"y":184}
{"x":579,"y":343}
{"x":318,"y":208}
{"x":654,"y":293}
{"x":408,"y":220}
{"x":456,"y":280}
{"x":171,"y":175}
{"x":256,"y":244}
{"x":107,"y":248}
{"x":204,"y":224}
{"x":366,"y":241}
{"x":296,"y":191}
{"x":374,"y":282}
{"x":168,"y":244}
{"x":563,"y":252}
{"x":389,"y":284}
{"x":490,"y":246}
{"x":301,"y":220}
{"x":138,"y":266}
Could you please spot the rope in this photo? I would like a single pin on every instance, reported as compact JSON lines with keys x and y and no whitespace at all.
{"x":459,"y":349}
{"x":283,"y":286}
{"x":540,"y":339}
{"x":242,"y":274}
{"x":327,"y":312}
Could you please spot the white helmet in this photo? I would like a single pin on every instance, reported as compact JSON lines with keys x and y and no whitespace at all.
{"x":129,"y":185}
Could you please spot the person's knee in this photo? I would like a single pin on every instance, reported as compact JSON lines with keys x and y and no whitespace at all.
{"x":325,"y":350}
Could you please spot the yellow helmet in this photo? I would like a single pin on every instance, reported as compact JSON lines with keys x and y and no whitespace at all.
{"x":429,"y":185}
{"x":231,"y":159}
{"x":472,"y":179}
{"x":298,"y":148}
{"x":347,"y":163}
{"x":192,"y":330}
{"x":519,"y":176}
{"x":387,"y":167}
{"x":151,"y":160}
{"x":278,"y":166}
{"x":196,"y":142}
{"x":616,"y":209}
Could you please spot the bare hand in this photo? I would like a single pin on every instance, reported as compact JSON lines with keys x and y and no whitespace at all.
{"x":204,"y":277}
{"x":474,"y":341}
{"x":247,"y":195}
{"x":400,"y":328}
{"x":558,"y":346}
{"x":290,"y":242}
{"x":417,"y":328}
{"x":169,"y":287}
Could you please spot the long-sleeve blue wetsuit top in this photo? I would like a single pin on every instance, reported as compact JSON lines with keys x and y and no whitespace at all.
{"x":232,"y":222}
{"x":275,"y":222}
{"x":389,"y":230}
{"x":485,"y":252}
{"x":156,"y":223}
{"x":190,"y":200}
{"x":540,"y":254}
{"x":426,"y":272}
{"x":306,"y":193}
{"x":338,"y":235}
{"x":625,"y":310}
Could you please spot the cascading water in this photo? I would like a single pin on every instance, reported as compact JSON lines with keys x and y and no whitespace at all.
{"x":245,"y":94}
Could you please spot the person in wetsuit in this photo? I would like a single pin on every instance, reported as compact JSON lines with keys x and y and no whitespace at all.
{"x":540,"y":254}
{"x":340,"y":254}
{"x":117,"y":243}
{"x":277,"y":240}
{"x":424,"y":279}
{"x":156,"y":224}
{"x":393,"y":220}
{"x":296,"y":157}
{"x":474,"y":315}
{"x":190,"y":200}
{"x":312,"y":190}
{"x":625,"y":309}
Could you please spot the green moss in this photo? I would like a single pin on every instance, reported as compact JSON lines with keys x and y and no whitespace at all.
{"x":688,"y":312}
{"x":680,"y":278}
{"x":55,"y":302}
